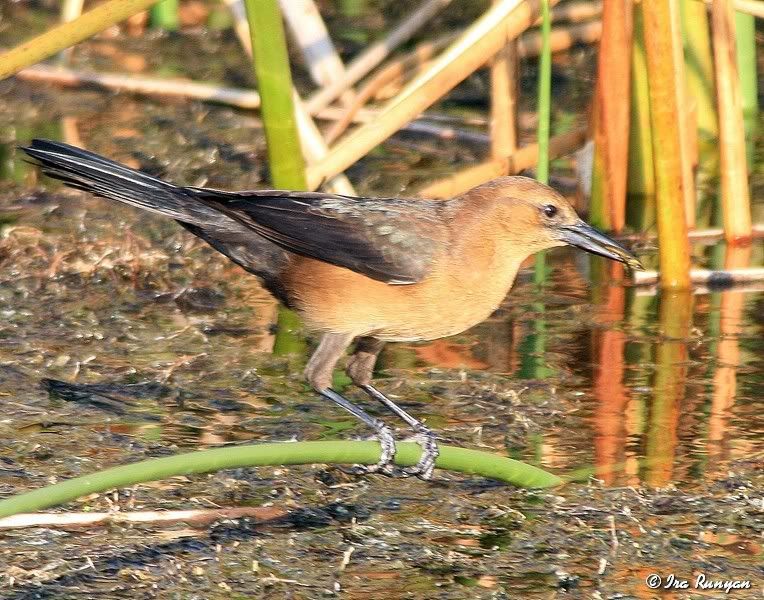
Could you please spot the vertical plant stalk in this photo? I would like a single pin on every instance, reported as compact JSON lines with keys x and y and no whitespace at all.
{"x":544,"y":111}
{"x":164,"y":15}
{"x":736,"y":209}
{"x":641,"y":177}
{"x":704,"y":120}
{"x":274,"y":82}
{"x":745,"y":41}
{"x":611,"y":125}
{"x":285,"y":158}
{"x":673,"y":245}
{"x":544,"y":94}
{"x":699,"y":67}
{"x":88,"y":24}
{"x":308,"y":30}
{"x":534,"y":347}
{"x":688,"y":138}
{"x":313,"y":144}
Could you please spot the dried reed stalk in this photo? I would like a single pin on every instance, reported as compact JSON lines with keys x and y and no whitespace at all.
{"x":529,"y":44}
{"x":67,"y":34}
{"x":309,"y":31}
{"x":503,"y":126}
{"x":482,"y":40}
{"x":736,"y":208}
{"x":375,"y":54}
{"x":198,"y":517}
{"x":246,"y":99}
{"x":524,"y":158}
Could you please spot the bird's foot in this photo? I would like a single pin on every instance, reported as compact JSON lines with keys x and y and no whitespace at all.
{"x":385,"y":465}
{"x":424,"y":468}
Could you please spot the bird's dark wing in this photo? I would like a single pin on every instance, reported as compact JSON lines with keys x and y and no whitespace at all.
{"x":388,"y":239}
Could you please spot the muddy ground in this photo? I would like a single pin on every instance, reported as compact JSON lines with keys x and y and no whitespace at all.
{"x":668,"y":452}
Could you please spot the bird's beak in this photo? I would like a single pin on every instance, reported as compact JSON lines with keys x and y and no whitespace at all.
{"x":588,"y":238}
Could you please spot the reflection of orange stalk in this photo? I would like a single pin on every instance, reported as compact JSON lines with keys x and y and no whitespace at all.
{"x":449,"y":355}
{"x":727,"y":359}
{"x":610,"y":435}
{"x":668,"y":386}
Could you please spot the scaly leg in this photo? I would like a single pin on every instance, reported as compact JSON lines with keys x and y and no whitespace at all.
{"x":319,"y":374}
{"x":360,"y":369}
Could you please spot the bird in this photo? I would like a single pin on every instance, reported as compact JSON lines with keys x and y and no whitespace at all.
{"x":360,"y":272}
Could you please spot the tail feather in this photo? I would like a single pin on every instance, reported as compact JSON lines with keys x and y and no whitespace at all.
{"x":103,"y":177}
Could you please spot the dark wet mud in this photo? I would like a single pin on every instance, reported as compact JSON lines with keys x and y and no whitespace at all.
{"x":124,"y":338}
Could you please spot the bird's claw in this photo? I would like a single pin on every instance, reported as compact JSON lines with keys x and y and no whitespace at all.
{"x":385,"y":464}
{"x":424,"y":468}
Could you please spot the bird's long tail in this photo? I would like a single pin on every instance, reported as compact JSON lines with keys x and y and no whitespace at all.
{"x":103,"y":177}
{"x":108,"y":179}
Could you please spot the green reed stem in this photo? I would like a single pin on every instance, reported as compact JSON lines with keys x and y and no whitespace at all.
{"x":699,"y":66}
{"x":544,"y":110}
{"x":274,"y":82}
{"x":164,"y":15}
{"x":640,"y":205}
{"x":300,"y":453}
{"x":285,"y":159}
{"x":544,"y":95}
{"x":745,"y":42}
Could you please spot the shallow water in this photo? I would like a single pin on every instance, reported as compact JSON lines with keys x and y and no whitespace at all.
{"x":653,"y":400}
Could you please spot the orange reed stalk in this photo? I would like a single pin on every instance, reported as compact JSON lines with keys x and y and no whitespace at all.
{"x":611,"y":125}
{"x":674,"y":248}
{"x":736,"y":201}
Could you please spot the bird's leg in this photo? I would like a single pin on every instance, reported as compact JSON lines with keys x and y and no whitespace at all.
{"x":360,"y":369}
{"x":319,"y":371}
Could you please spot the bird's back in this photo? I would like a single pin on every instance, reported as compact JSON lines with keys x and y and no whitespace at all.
{"x":469,"y":274}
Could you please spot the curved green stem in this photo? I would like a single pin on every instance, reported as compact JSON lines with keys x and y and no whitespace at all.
{"x":285,"y":453}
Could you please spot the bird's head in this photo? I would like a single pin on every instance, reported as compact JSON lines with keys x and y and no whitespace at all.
{"x":536,"y":217}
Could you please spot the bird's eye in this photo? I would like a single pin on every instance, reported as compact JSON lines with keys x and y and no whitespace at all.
{"x":550,"y":210}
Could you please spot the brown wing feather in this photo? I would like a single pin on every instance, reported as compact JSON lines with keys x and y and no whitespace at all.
{"x":388,"y":239}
